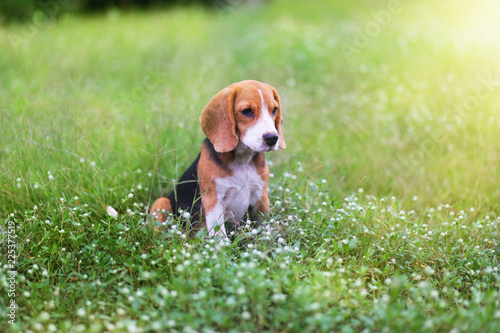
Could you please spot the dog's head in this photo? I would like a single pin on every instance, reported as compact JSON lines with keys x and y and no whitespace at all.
{"x":246,"y":111}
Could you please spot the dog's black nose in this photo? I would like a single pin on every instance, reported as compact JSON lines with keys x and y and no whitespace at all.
{"x":270,"y":139}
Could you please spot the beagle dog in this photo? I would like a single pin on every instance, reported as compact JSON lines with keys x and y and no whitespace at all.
{"x":229,"y":177}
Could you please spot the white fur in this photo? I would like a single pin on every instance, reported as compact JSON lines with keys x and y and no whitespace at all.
{"x":235,"y":194}
{"x":254,"y":137}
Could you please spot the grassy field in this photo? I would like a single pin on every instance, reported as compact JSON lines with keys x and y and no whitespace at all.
{"x":384,"y":212}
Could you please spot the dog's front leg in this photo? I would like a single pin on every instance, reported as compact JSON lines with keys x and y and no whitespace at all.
{"x":262,"y":207}
{"x":215,"y":218}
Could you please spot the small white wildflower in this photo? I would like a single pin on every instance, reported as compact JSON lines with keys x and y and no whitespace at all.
{"x":245,"y":315}
{"x":111,"y":212}
{"x":130,"y":195}
{"x":51,"y":177}
{"x":428,"y":270}
{"x":186,"y":215}
{"x":81,"y":312}
{"x":279,"y":297}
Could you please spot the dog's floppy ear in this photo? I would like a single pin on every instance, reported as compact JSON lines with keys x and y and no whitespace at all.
{"x":217,"y":121}
{"x":279,"y":120}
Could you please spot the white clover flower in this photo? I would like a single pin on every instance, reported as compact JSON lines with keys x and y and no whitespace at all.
{"x":245,"y":315}
{"x":81,"y":312}
{"x":186,"y":215}
{"x":130,"y":195}
{"x":111,"y":212}
{"x":279,"y":297}
{"x":314,"y":306}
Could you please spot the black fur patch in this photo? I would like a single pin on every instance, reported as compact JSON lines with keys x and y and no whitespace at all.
{"x":186,"y":194}
{"x":214,"y":156}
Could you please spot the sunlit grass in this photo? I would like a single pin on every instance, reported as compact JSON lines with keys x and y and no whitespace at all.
{"x":103,"y":110}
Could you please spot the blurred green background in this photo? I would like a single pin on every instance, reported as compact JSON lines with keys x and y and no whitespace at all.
{"x":400,"y":98}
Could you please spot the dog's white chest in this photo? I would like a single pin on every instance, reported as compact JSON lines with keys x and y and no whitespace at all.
{"x":238,"y":192}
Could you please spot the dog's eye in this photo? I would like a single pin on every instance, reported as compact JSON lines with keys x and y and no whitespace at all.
{"x":247,"y":112}
{"x":275,"y":110}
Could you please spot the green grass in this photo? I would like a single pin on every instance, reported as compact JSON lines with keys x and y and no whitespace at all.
{"x":384,"y":205}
